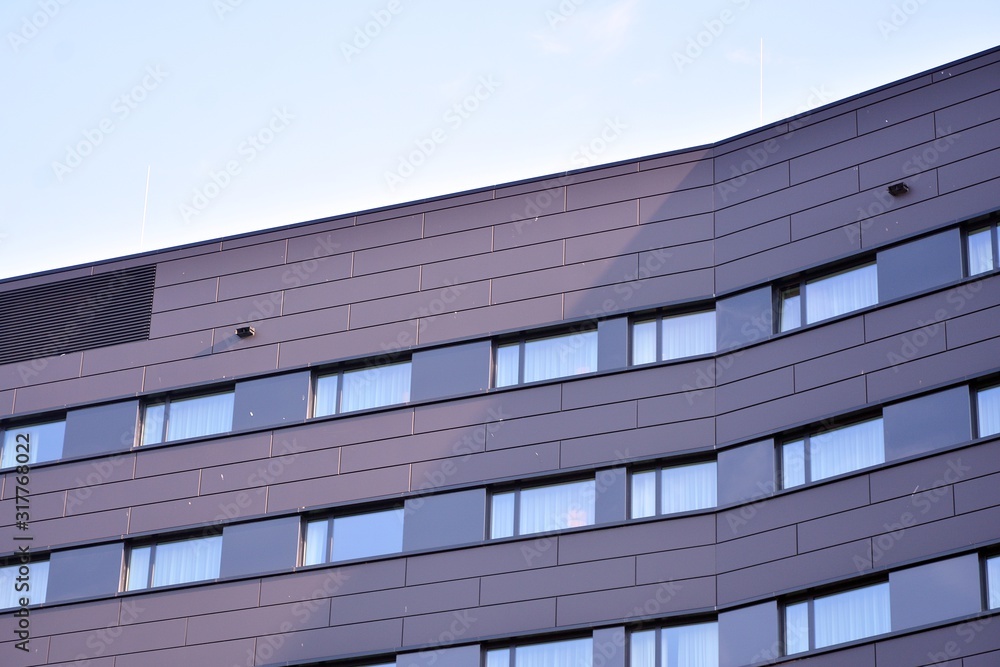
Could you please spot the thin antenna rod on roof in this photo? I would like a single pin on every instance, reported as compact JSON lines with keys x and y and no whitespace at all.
{"x":761,"y":80}
{"x":145,"y":201}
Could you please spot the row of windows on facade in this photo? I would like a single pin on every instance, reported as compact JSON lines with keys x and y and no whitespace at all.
{"x":815,"y":622}
{"x":660,"y":338}
{"x":538,"y":508}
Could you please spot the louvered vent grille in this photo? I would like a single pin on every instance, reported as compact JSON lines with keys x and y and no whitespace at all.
{"x":78,"y":314}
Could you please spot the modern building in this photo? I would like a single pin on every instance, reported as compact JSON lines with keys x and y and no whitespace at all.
{"x":732,"y":405}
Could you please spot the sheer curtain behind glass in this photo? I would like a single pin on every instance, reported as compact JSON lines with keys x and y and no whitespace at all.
{"x":993,"y":582}
{"x":643,"y":494}
{"x":988,"y":407}
{"x":44,"y":443}
{"x":980,"y":246}
{"x":375,"y":387}
{"x":841,"y":293}
{"x":38,"y":574}
{"x":642,"y":649}
{"x":690,"y":487}
{"x":189,"y":560}
{"x":844,"y":449}
{"x":688,"y":335}
{"x":572,"y":653}
{"x":690,"y":646}
{"x":644,"y":342}
{"x":560,"y":356}
{"x":843,"y":617}
{"x":203,"y":415}
{"x":556,"y":507}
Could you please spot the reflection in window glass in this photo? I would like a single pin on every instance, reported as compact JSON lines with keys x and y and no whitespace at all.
{"x":980,"y":250}
{"x":35,"y":576}
{"x":353,"y":536}
{"x":841,"y":293}
{"x":988,"y":410}
{"x":39,"y":442}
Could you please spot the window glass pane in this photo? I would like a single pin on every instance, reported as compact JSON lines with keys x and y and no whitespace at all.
{"x":690,"y":487}
{"x":852,"y":615}
{"x":316,"y":541}
{"x":202,"y":415}
{"x":642,"y":649}
{"x":643,"y":494}
{"x":993,"y":582}
{"x":688,"y":335}
{"x":326,"y":395}
{"x":796,"y":628}
{"x":502,"y":515}
{"x":376,"y":386}
{"x":841,"y":293}
{"x":555,"y":507}
{"x":791,"y":309}
{"x":691,"y":646}
{"x":988,"y":409}
{"x":560,"y":356}
{"x":152,"y":424}
{"x":364,"y":535}
{"x":187,"y":560}
{"x":644,"y":342}
{"x":508,"y":357}
{"x":37,"y":580}
{"x":844,"y":449}
{"x":980,"y":247}
{"x":573,"y":653}
{"x":44,"y":442}
{"x":138,"y":569}
{"x":793,"y":464}
{"x":498,"y":658}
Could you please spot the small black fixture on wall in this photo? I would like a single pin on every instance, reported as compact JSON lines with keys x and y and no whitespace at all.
{"x":897,"y":189}
{"x":245,"y":332}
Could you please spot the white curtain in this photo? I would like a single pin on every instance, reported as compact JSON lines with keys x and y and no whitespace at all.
{"x":980,"y":251}
{"x":556,"y":507}
{"x":502,"y":515}
{"x":689,"y":487}
{"x":643,"y":494}
{"x":38,"y":581}
{"x":508,"y":357}
{"x":376,"y":386}
{"x":796,"y":628}
{"x":845,"y":449}
{"x":793,"y":464}
{"x":642,"y":649}
{"x":993,"y":581}
{"x":843,"y":617}
{"x":152,"y":423}
{"x":688,"y":335}
{"x":203,"y":415}
{"x":498,"y":658}
{"x":371,"y":534}
{"x":841,"y":293}
{"x":691,"y":646}
{"x":326,"y":395}
{"x":988,"y":406}
{"x":44,"y":443}
{"x":560,"y":356}
{"x":644,"y":342}
{"x":138,"y":568}
{"x":317,"y":538}
{"x":791,"y":309}
{"x":187,"y":560}
{"x":572,"y":653}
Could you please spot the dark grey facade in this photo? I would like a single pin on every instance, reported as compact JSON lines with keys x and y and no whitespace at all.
{"x":349,"y":509}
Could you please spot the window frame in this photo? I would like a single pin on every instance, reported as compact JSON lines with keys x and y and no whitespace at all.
{"x":990,"y":225}
{"x":806,"y":435}
{"x":800,"y":286}
{"x":329,"y":520}
{"x":166,"y":402}
{"x":339,"y":373}
{"x":810,"y":600}
{"x":517,"y":490}
{"x":25,"y":425}
{"x":151,"y":563}
{"x":521,"y":341}
{"x":658,"y":318}
{"x":657,"y":471}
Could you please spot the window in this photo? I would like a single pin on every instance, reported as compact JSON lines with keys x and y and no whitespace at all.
{"x":981,"y":249}
{"x":832,"y":452}
{"x":546,"y":358}
{"x":683,"y":646}
{"x":827,"y":296}
{"x":372,"y":387}
{"x":674,"y":489}
{"x":32,"y":443}
{"x":673,"y":337}
{"x":837,"y":618}
{"x":568,"y":653}
{"x":177,"y":562}
{"x":993,"y":583}
{"x":24,"y":580}
{"x":180,"y":418}
{"x":987,"y":411}
{"x":354,"y":536}
{"x":542,"y":508}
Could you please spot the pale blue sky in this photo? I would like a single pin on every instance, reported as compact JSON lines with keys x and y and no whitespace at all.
{"x":313,"y":117}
